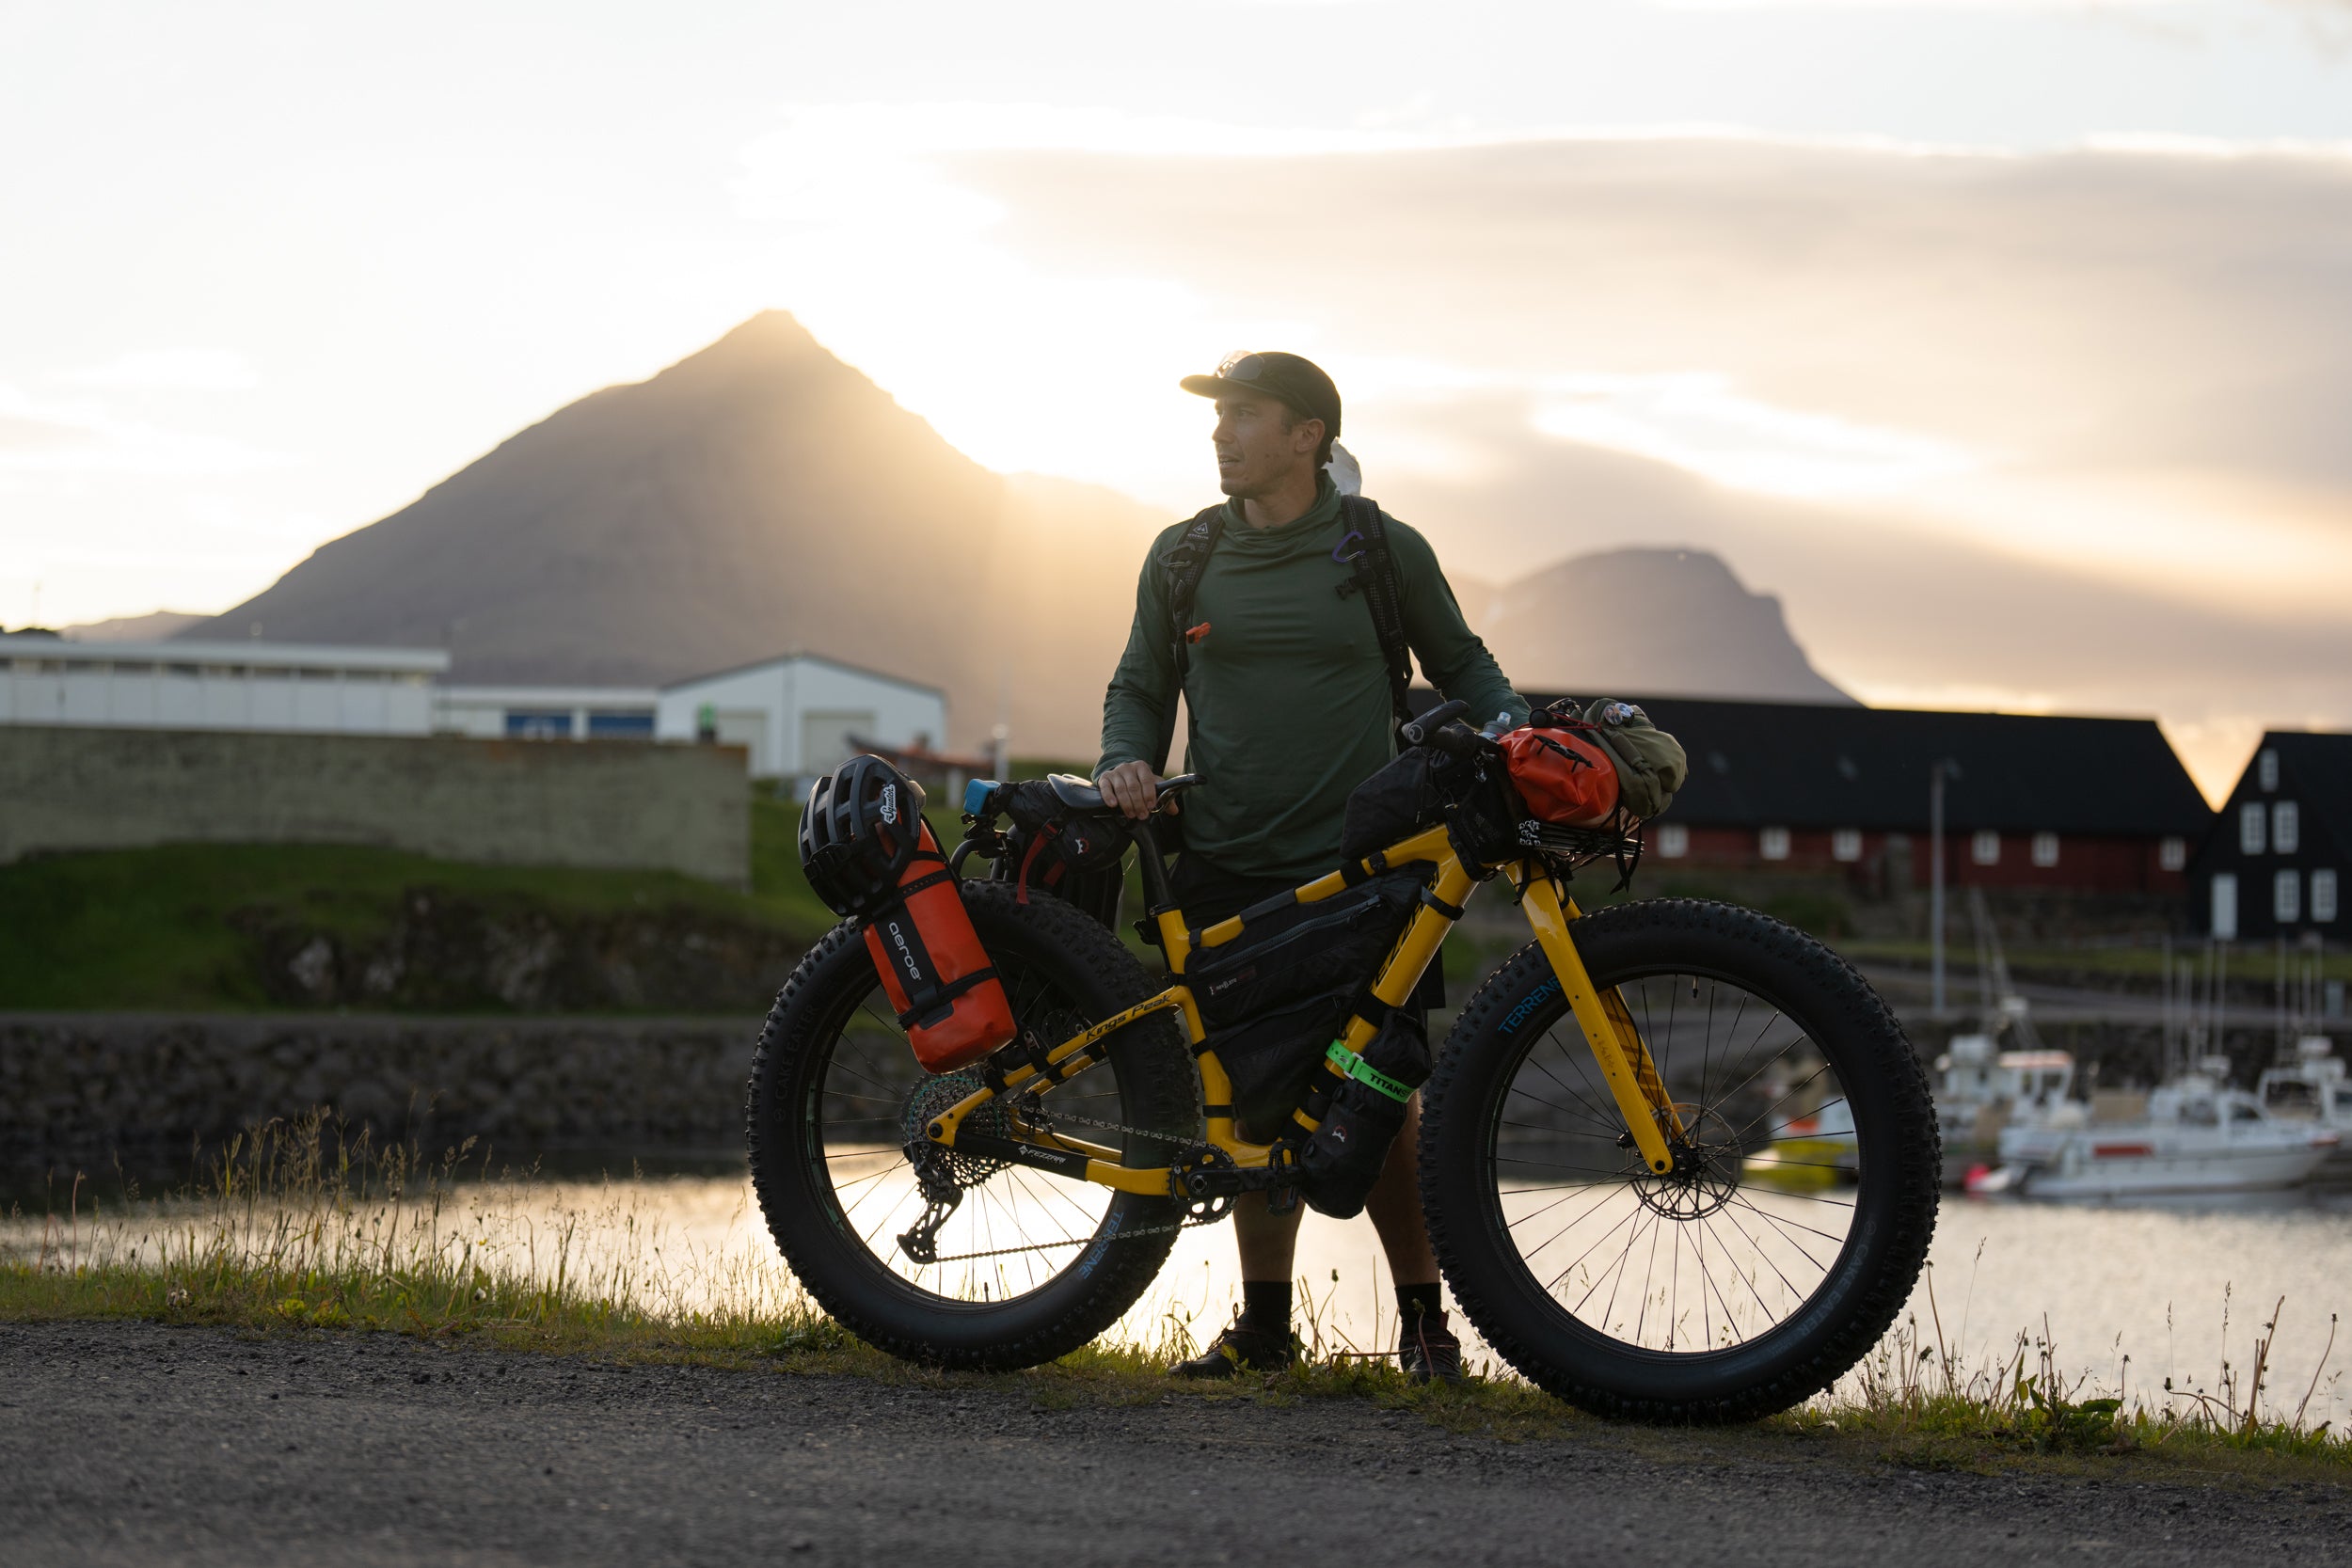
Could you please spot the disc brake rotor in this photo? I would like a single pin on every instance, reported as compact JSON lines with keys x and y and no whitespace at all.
{"x":1705,"y":1171}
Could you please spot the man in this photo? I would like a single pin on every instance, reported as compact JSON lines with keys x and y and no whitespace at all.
{"x":1289,"y":705}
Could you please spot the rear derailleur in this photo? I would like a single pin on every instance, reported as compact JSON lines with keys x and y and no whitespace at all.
{"x":936,"y":1176}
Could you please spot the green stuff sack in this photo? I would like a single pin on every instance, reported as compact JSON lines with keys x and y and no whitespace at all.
{"x":1651,"y":764}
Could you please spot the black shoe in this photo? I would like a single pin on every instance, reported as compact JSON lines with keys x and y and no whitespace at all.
{"x":1428,"y":1348}
{"x":1239,"y":1349}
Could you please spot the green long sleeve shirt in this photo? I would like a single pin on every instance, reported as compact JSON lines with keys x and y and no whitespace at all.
{"x":1287,"y":692}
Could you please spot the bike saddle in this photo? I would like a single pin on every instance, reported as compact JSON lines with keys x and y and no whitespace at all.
{"x":1077,"y":794}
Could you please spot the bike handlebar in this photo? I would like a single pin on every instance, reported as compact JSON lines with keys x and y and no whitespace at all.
{"x":1423,"y":729}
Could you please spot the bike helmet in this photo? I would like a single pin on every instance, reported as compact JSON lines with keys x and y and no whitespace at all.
{"x":860,"y":833}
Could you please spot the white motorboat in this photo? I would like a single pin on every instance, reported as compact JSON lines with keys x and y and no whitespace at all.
{"x":1979,"y":1090}
{"x":2199,"y":1136}
{"x":2312,"y":1089}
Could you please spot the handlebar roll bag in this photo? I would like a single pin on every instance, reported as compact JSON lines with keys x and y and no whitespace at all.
{"x":934,"y":969}
{"x":1562,"y":776}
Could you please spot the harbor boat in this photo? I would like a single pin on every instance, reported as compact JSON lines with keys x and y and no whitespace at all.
{"x":1978,"y":1090}
{"x":2312,"y":1089}
{"x":2198,"y":1137}
{"x":1812,"y":1151}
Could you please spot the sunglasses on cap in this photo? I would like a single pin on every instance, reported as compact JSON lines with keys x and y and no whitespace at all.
{"x":1241,"y":367}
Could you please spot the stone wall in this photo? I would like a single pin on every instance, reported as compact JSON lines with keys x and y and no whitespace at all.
{"x":89,"y":1087}
{"x":617,"y":804}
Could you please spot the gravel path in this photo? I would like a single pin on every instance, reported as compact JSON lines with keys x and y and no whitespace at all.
{"x":133,"y":1443}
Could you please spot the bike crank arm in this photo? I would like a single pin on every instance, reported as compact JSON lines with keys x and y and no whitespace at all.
{"x":1153,"y":1183}
{"x":1617,"y":1044}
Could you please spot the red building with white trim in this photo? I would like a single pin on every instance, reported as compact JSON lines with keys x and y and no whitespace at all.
{"x":2030,"y":802}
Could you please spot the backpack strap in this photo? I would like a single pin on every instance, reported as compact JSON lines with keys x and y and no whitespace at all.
{"x":1376,"y":579}
{"x":1184,"y":565}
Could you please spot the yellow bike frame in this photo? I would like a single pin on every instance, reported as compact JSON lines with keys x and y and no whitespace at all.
{"x":1608,"y":1028}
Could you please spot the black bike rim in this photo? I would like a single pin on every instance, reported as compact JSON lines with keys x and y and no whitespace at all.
{"x":856,"y":1164}
{"x":1793,"y":1258}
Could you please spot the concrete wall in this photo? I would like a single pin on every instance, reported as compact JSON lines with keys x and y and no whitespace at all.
{"x":85,"y":1087}
{"x":609,"y":803}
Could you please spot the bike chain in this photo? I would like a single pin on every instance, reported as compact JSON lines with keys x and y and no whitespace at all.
{"x":1045,"y":1124}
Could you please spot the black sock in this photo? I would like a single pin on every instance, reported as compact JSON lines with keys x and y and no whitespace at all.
{"x":1265,"y":1306}
{"x":1414,"y":1301}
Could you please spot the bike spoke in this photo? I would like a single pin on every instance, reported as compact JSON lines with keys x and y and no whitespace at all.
{"x":1710,"y":1253}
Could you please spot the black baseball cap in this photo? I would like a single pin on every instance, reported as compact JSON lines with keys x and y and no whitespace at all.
{"x":1300,"y":383}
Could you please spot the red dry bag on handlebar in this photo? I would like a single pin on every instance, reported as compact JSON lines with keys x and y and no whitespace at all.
{"x":867,"y":852}
{"x":1561,"y":776}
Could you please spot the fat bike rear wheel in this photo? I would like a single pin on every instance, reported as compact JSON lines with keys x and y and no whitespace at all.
{"x":1798,"y":1216}
{"x":991,"y":1267}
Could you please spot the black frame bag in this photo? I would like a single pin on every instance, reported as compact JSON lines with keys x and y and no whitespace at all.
{"x":1273,"y":998}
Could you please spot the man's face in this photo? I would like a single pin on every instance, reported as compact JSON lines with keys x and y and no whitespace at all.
{"x":1255,"y":452}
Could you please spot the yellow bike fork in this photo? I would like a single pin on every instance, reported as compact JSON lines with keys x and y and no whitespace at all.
{"x":1617,"y":1044}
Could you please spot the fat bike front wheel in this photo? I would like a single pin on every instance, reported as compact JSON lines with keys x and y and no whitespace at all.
{"x":989,"y":1266}
{"x":1798,"y":1216}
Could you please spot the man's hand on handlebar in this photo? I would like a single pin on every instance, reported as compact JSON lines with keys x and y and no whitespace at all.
{"x":1134,"y":787}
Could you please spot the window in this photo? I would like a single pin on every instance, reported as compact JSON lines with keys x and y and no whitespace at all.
{"x":2267,"y":769}
{"x":2172,"y":853}
{"x":1674,"y":840}
{"x":539,"y":724}
{"x":2224,"y":921}
{"x":2286,"y":897}
{"x":1984,"y":848}
{"x":2286,"y":827}
{"x":1772,"y":843}
{"x":2250,"y":828}
{"x":2045,"y":848}
{"x":1846,"y":844}
{"x":620,"y":726}
{"x":2323,"y":894}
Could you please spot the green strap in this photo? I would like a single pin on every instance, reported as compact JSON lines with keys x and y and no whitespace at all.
{"x":1352,"y":1066}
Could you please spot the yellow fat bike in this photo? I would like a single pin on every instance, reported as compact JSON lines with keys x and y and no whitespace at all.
{"x":1678,"y":1157}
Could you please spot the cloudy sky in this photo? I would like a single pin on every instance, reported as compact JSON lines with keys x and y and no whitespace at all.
{"x":2008,"y":342}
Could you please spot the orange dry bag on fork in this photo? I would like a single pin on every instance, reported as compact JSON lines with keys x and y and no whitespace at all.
{"x":870,"y":854}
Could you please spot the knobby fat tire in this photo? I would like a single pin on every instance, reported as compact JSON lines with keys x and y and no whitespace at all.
{"x":1895,"y":1219}
{"x":1158,"y":1089}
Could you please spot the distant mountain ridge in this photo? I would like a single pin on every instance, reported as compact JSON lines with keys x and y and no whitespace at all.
{"x":762,"y":494}
{"x":1665,"y":621}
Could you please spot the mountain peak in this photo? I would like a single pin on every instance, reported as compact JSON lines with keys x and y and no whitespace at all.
{"x":1670,"y":621}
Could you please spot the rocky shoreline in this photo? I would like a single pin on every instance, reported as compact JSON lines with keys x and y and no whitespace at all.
{"x":91,"y":1087}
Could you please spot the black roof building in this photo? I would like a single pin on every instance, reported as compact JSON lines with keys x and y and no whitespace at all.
{"x":1802,"y":766}
{"x":2274,"y":864}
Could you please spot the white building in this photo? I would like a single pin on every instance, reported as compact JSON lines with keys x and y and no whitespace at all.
{"x":219,"y":686}
{"x":545,"y":712}
{"x":798,"y":714}
{"x":802,"y":714}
